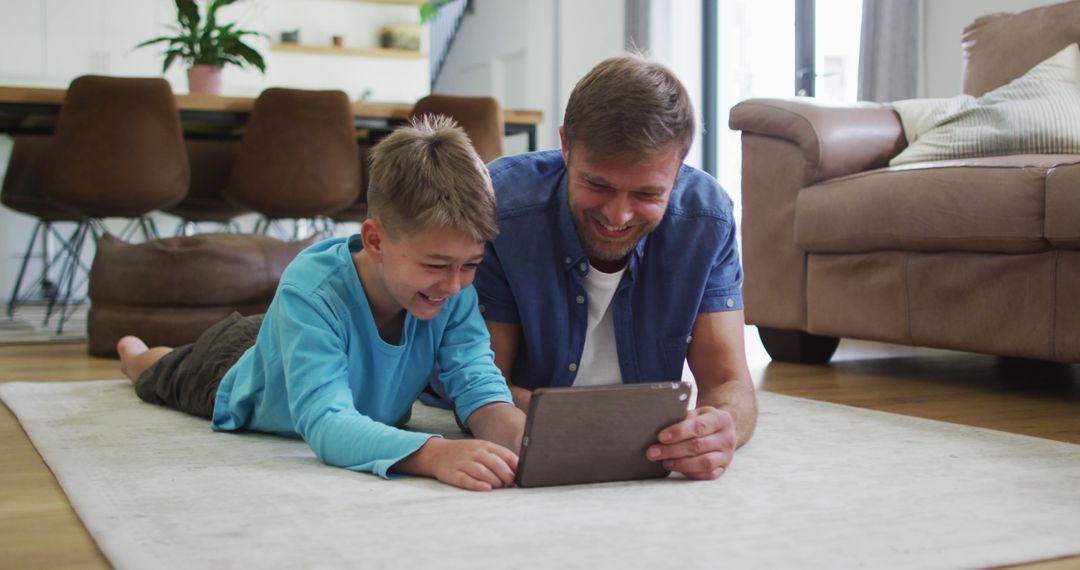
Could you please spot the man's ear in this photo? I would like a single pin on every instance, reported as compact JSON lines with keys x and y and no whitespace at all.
{"x":565,"y":146}
{"x":373,"y":236}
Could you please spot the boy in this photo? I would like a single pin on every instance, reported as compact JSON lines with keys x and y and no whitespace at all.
{"x":357,"y":326}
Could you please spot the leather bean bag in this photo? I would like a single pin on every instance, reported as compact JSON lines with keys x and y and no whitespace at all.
{"x":168,"y":291}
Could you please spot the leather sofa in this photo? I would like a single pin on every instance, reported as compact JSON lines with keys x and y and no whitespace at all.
{"x":978,"y":255}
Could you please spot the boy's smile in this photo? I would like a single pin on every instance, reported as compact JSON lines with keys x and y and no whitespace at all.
{"x":417,"y":273}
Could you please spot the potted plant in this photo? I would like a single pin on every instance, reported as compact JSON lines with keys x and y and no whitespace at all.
{"x":206,"y":46}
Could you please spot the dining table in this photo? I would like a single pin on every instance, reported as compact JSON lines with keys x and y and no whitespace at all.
{"x":35,"y":110}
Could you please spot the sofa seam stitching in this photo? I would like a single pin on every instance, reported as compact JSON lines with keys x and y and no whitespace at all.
{"x":907,"y":290}
{"x":1053,"y":270}
{"x":1053,"y":306}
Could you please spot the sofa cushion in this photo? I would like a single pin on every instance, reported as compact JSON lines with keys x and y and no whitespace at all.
{"x":1001,"y":47}
{"x":1063,"y":206}
{"x":979,"y":205}
{"x":1038,"y":113}
{"x":1017,"y":305}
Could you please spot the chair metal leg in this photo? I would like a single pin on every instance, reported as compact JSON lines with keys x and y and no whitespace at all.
{"x":49,"y":259}
{"x":62,"y":258}
{"x":14,"y":301}
{"x":329,"y":227}
{"x":186,"y":227}
{"x":302,"y":227}
{"x":149,"y":228}
{"x":67,"y":275}
{"x":97,"y":228}
{"x":270,"y":227}
{"x":44,"y":285}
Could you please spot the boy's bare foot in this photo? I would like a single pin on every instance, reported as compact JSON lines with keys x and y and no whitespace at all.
{"x":135,"y":357}
{"x":129,"y":348}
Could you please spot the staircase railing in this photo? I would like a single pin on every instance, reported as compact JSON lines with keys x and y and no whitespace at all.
{"x":443,"y":28}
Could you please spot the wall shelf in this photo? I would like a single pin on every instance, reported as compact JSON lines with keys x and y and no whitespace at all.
{"x":403,"y":2}
{"x":393,"y":2}
{"x":347,"y":51}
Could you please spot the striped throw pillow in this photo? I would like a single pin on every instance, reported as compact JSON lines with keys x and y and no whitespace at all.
{"x":1037,"y":113}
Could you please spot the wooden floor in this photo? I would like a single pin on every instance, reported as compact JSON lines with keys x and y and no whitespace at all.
{"x":38,"y":528}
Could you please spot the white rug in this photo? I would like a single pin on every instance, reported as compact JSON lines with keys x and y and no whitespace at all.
{"x":820,"y":486}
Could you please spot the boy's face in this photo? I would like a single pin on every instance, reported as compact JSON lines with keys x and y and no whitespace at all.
{"x":423,"y":270}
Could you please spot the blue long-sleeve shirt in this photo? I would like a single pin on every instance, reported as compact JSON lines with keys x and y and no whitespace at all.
{"x":320,"y":371}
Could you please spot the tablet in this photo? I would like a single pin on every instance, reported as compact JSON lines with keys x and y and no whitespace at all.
{"x":597,"y":433}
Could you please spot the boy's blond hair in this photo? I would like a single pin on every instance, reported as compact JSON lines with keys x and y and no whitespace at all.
{"x":427,"y":175}
{"x":628,"y":106}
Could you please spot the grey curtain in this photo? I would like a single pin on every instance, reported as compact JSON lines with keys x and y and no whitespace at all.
{"x":889,"y":51}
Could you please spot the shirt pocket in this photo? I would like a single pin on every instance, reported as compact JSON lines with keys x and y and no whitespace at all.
{"x":672,"y":357}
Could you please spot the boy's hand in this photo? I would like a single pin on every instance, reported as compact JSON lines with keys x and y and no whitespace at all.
{"x":471,"y":464}
{"x":700,"y":447}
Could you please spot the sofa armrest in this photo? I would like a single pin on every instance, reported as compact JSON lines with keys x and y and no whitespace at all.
{"x":835,"y":140}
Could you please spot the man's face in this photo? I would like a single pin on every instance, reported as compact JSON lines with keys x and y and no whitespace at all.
{"x":422,"y":271}
{"x":616,"y":202}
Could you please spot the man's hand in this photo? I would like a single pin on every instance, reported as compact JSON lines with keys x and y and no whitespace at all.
{"x":700,"y":447}
{"x":471,"y":464}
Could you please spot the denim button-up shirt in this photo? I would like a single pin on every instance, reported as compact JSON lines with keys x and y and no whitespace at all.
{"x":532,"y":274}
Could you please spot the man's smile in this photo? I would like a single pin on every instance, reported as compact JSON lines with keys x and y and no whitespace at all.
{"x":610,"y":231}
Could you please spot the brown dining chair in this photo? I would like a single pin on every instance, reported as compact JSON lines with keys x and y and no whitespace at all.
{"x":211,"y":163}
{"x":22,"y":193}
{"x":298,"y":159}
{"x":358,"y":210}
{"x":480,"y":117}
{"x":118,"y":152}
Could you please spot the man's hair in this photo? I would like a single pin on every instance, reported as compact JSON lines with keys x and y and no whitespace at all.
{"x":427,"y":175}
{"x":629,"y":106}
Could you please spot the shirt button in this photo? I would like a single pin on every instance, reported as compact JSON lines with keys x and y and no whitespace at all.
{"x":572,"y":367}
{"x":482,"y":308}
{"x":567,"y":260}
{"x":730,"y":302}
{"x":580,"y":299}
{"x":583,"y":267}
{"x":688,"y":339}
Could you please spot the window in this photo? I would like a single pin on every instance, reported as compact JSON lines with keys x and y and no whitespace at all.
{"x":754,"y":55}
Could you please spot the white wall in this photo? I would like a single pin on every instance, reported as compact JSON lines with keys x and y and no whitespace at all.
{"x":675,"y":38}
{"x":589,"y":32}
{"x":944,"y":22}
{"x":47,"y":43}
{"x":506,"y":49}
{"x":530,"y":53}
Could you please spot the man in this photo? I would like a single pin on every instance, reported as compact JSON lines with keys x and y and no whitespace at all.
{"x":615,"y":263}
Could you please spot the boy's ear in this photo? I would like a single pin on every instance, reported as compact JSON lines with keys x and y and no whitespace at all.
{"x":373,"y":236}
